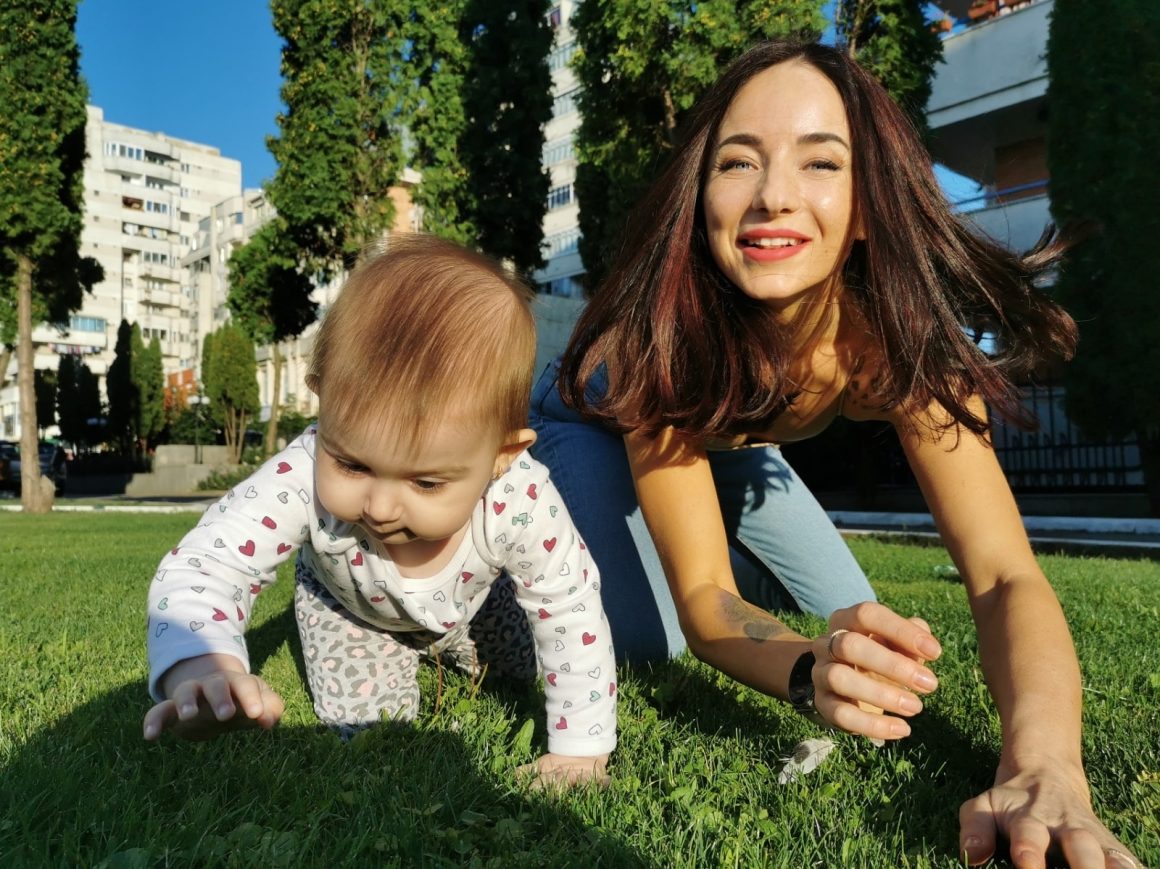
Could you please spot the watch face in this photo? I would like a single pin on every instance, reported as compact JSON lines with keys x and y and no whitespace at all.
{"x":801,"y":683}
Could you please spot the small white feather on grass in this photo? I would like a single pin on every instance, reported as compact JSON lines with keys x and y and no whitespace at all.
{"x":807,"y":756}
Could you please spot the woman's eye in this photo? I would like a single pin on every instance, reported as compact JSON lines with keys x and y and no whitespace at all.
{"x":823,"y":165}
{"x":739,"y":164}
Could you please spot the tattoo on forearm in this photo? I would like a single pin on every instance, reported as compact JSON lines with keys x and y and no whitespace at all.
{"x":756,"y":624}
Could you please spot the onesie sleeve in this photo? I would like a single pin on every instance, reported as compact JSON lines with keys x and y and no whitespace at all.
{"x":201,"y":596}
{"x":558,"y":586}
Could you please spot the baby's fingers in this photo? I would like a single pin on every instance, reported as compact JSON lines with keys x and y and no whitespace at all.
{"x":160,"y":716}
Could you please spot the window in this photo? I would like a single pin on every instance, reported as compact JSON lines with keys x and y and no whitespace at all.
{"x":561,"y":243}
{"x":558,"y":151}
{"x":87,"y":324}
{"x":565,"y":104}
{"x":558,"y":197}
{"x":558,"y":57}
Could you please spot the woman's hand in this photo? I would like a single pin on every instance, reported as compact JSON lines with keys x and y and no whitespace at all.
{"x":210,"y":695}
{"x":1040,"y":811}
{"x":870,"y":664}
{"x":560,"y":771}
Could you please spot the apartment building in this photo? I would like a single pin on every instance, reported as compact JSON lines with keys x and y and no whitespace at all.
{"x":988,"y":116}
{"x":145,"y":195}
{"x":561,"y":272}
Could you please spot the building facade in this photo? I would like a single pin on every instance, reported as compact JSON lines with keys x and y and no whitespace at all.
{"x":146,"y":194}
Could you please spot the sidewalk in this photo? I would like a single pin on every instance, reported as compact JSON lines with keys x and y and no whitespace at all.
{"x":1074,"y":535}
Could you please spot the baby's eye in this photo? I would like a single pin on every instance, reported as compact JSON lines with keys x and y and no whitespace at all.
{"x":429,"y":485}
{"x":349,"y":467}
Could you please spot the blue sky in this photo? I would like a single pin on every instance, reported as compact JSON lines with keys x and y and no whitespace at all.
{"x":204,"y":70}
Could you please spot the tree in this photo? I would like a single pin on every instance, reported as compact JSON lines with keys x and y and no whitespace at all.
{"x":894,"y":41}
{"x":641,"y":65}
{"x":42,"y":149}
{"x":337,"y":151}
{"x":507,"y":102}
{"x":230,"y":377}
{"x":122,"y":391}
{"x":269,"y":299}
{"x":149,"y":384}
{"x":78,"y":400}
{"x":1103,"y":135}
{"x":45,"y":387}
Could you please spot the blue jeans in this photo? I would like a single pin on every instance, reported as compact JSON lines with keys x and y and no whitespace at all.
{"x":785,"y":551}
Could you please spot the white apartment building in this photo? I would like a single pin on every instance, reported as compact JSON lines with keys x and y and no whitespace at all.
{"x":145,"y":195}
{"x":562,"y":269}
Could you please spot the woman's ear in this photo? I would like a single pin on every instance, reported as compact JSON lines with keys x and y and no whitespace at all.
{"x":513,"y":445}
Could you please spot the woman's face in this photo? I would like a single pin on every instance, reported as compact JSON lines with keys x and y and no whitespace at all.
{"x":778,"y":197}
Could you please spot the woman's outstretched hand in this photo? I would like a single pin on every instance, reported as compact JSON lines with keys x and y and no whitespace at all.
{"x":1040,"y":812}
{"x":869,"y":670}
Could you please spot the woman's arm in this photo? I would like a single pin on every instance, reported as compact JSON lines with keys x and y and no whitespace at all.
{"x":1041,"y":794}
{"x":679,"y":501}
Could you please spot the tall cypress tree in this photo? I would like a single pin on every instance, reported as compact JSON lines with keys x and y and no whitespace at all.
{"x":122,"y":391}
{"x":42,"y":149}
{"x":1103,"y":136}
{"x":338,"y":152}
{"x":507,"y":101}
{"x":641,"y":65}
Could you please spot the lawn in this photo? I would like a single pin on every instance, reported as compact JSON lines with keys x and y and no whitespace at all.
{"x":694,"y":777}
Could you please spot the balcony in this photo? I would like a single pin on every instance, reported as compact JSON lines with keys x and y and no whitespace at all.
{"x":162,"y":298}
{"x":1015,"y":217}
{"x":990,"y":90}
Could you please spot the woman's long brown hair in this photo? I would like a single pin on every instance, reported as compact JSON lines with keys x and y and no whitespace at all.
{"x":689,"y":350}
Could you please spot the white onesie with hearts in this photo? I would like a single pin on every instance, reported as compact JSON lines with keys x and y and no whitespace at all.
{"x":201,"y":596}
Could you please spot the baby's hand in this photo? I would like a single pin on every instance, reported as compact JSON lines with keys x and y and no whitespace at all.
{"x":211,"y":696}
{"x":560,"y":771}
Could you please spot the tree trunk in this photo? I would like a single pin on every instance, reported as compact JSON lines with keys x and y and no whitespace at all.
{"x":272,"y":424}
{"x":31,"y":494}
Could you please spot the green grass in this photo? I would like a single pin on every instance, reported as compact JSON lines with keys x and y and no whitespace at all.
{"x":694,"y":777}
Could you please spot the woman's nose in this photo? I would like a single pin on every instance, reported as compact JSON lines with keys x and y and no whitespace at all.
{"x":777,"y":191}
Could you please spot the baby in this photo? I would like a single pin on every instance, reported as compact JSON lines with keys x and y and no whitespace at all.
{"x":422,"y":526}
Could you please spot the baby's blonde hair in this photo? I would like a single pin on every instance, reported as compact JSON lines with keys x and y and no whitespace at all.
{"x":422,"y":333}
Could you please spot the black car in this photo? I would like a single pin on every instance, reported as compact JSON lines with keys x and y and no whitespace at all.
{"x":53,"y":464}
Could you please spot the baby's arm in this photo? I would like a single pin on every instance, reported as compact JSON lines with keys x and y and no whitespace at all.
{"x":205,"y":695}
{"x":557,"y":584}
{"x":201,"y":598}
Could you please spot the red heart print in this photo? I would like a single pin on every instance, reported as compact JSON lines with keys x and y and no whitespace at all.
{"x":562,"y":724}
{"x":552,"y":679}
{"x":467,"y":576}
{"x":218,"y":615}
{"x":611,"y":689}
{"x":544,"y":614}
{"x":585,"y":574}
{"x":255,"y":588}
{"x":241,"y":615}
{"x":498,"y":506}
{"x":582,"y":546}
{"x":550,"y":544}
{"x":173,"y":551}
{"x":283,"y":548}
{"x":283,"y":467}
{"x":268,"y":522}
{"x":247,"y":549}
{"x":379,"y":599}
{"x":532,"y":491}
{"x":587,"y":638}
{"x":448,"y":625}
{"x":357,"y":560}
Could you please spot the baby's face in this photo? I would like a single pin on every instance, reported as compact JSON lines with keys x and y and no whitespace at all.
{"x":400,"y":492}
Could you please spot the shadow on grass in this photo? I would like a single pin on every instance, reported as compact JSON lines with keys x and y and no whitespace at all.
{"x":909,"y":791}
{"x":88,"y":791}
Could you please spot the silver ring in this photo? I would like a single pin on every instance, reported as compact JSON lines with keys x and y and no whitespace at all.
{"x":830,"y":644}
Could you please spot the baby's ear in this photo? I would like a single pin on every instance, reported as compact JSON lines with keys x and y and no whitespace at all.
{"x":513,"y":445}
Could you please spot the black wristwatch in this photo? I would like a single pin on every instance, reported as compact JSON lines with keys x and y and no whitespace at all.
{"x":801,"y":688}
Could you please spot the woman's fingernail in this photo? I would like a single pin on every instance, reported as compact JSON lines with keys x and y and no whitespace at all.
{"x":929,"y":647}
{"x":910,"y":704}
{"x":898,"y":729}
{"x":925,"y":681}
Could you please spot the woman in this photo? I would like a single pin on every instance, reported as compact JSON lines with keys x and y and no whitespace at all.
{"x":796,"y":262}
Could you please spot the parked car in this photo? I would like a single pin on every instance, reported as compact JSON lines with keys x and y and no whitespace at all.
{"x":53,"y":464}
